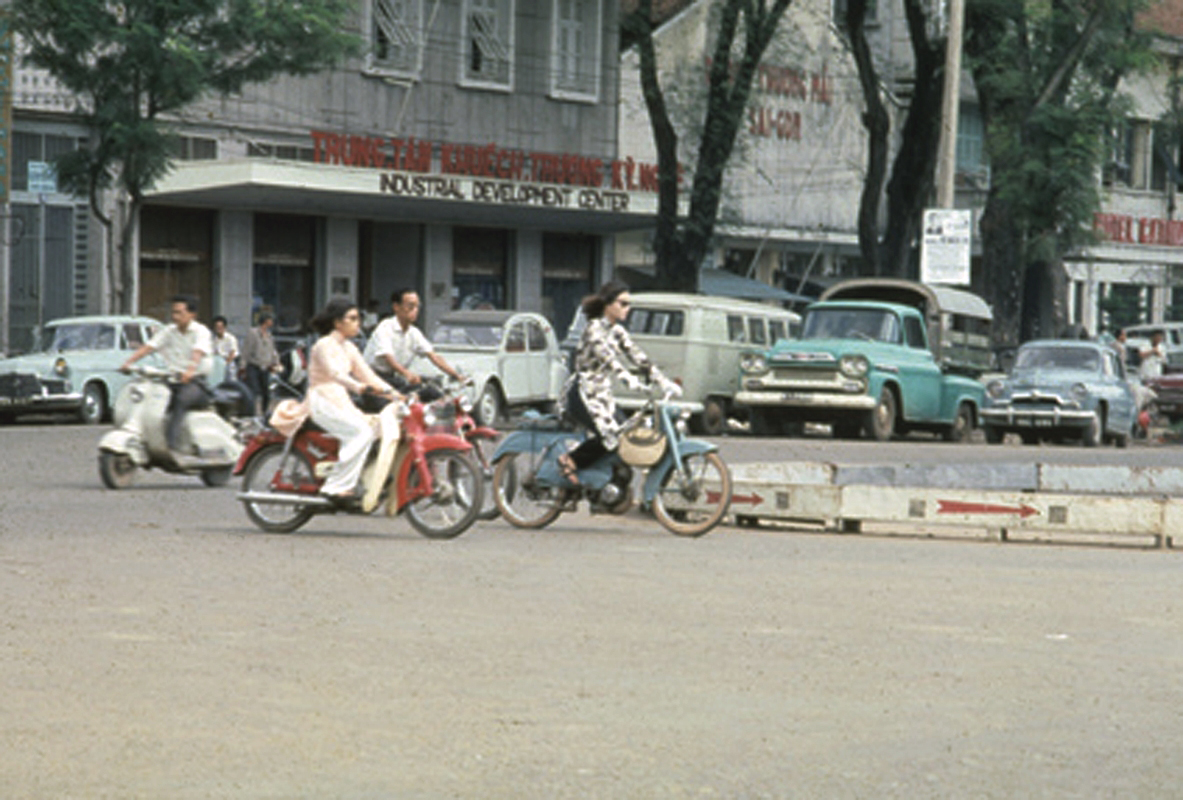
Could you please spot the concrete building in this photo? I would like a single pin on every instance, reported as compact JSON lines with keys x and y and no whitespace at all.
{"x":470,"y":154}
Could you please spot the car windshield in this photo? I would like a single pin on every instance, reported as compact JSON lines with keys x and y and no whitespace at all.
{"x":472,"y":335}
{"x":868,"y":324}
{"x":1057,"y":358}
{"x":77,"y":337}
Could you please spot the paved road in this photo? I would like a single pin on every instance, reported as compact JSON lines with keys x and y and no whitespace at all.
{"x":154,"y":645}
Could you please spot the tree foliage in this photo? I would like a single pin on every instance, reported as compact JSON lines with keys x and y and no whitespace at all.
{"x":132,"y":63}
{"x":1047,"y":73}
{"x":743,"y":31}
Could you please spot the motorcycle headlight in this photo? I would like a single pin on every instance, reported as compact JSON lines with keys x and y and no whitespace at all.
{"x":753,"y":362}
{"x":996,"y":389}
{"x":466,"y":404}
{"x":429,"y":416}
{"x":60,"y":367}
{"x":854,"y":366}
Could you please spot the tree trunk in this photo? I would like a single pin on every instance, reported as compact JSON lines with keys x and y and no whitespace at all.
{"x":878,"y":125}
{"x":1003,"y":264}
{"x":128,"y":266}
{"x":913,"y":173}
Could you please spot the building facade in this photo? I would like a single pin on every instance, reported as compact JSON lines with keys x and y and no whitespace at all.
{"x":470,"y":154}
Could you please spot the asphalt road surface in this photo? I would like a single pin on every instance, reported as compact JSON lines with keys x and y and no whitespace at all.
{"x":155,"y":645}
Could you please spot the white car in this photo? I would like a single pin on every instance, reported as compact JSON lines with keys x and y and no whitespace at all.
{"x":513,"y":358}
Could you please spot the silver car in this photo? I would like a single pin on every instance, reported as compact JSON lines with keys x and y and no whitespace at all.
{"x":73,"y":367}
{"x":1062,"y":389}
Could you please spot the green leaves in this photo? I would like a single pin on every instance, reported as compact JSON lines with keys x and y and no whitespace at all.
{"x":131,"y":62}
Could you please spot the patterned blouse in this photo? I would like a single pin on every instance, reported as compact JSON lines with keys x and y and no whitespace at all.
{"x":597,"y":362}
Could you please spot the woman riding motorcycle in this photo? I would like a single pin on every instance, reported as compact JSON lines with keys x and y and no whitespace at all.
{"x":603,"y":350}
{"x":335,"y":369}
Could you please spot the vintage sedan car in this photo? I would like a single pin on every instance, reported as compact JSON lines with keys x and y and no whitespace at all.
{"x":513,"y":358}
{"x":1168,"y":395}
{"x":1060,"y":389}
{"x":73,"y":367}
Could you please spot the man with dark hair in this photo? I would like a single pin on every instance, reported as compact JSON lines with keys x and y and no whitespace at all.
{"x":185,"y":346}
{"x":226,"y":346}
{"x":260,"y":358}
{"x":396,"y":343}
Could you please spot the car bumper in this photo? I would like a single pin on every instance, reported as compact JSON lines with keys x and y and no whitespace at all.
{"x":845,"y":402}
{"x":28,"y":393}
{"x":1036,"y":418}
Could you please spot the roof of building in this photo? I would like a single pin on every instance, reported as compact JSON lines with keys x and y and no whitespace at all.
{"x":1164,"y":17}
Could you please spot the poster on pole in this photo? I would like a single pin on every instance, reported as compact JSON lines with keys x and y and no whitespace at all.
{"x":944,"y":249}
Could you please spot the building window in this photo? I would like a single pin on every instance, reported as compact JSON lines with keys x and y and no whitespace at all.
{"x":280,"y":152}
{"x":1129,"y":156}
{"x":479,"y":259}
{"x":283,"y":270}
{"x":970,"y":135}
{"x":575,"y":66}
{"x":396,"y":36}
{"x":40,"y":149}
{"x":195,"y":148}
{"x":1165,"y":158}
{"x":487,"y":42}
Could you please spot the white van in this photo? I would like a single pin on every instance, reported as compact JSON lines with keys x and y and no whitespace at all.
{"x":696,"y":341}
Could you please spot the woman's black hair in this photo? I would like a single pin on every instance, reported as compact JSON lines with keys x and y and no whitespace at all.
{"x":594,"y":304}
{"x":334,"y":310}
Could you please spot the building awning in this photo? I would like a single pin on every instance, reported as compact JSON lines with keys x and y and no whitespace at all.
{"x":320,"y":189}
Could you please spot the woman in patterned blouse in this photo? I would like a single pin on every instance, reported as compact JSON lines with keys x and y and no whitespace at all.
{"x":605,"y":351}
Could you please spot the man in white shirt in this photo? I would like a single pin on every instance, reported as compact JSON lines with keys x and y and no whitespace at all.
{"x":1153,"y":358}
{"x":185,"y":346}
{"x":396,"y":343}
{"x":226,"y":346}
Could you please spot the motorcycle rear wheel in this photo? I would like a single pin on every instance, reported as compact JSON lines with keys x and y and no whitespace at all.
{"x":259,"y":475}
{"x":694,"y":506}
{"x":456,"y":501}
{"x":117,"y":470}
{"x":522,"y":503}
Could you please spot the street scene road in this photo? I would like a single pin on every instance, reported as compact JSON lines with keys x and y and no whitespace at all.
{"x":157,"y":645}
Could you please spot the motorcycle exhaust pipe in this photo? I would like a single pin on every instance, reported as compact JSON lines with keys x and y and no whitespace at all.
{"x":286,"y":498}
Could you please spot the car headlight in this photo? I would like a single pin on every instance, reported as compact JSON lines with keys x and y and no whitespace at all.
{"x":854,"y":366}
{"x":996,"y":389}
{"x":753,"y":362}
{"x":1080,"y":391}
{"x":60,"y":367}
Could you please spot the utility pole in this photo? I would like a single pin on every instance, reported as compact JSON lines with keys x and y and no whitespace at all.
{"x":950,"y":105}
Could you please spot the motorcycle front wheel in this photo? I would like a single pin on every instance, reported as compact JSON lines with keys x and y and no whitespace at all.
{"x":520,"y":500}
{"x":692,"y":502}
{"x":117,"y":470}
{"x":456,"y":500}
{"x":262,"y":473}
{"x":482,"y":451}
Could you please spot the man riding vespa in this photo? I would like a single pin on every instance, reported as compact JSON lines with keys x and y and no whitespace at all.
{"x":185,"y":345}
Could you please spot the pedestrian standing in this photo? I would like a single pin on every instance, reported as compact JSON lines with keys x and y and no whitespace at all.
{"x":260,"y":359}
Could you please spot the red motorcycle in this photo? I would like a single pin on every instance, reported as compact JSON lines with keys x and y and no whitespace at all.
{"x":453,"y":414}
{"x":413,"y":467}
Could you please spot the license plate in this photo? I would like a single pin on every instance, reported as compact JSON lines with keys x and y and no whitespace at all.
{"x":1042,"y":423}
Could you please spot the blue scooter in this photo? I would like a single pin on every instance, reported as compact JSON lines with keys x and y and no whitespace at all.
{"x":688,"y":485}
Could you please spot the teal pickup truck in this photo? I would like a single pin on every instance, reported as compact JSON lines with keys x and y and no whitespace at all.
{"x":880,"y":355}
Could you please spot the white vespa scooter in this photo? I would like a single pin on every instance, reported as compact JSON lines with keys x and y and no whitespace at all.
{"x":138,"y":441}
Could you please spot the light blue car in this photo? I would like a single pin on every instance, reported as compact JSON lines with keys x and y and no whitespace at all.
{"x":73,"y":367}
{"x":1062,"y":389}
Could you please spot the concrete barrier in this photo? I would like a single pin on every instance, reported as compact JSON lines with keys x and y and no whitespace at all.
{"x":1005,"y":502}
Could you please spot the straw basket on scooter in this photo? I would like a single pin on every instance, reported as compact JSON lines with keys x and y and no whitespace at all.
{"x":641,"y":444}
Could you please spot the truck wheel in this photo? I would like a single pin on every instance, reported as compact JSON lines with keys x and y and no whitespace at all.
{"x":880,"y":422}
{"x":962,"y":429}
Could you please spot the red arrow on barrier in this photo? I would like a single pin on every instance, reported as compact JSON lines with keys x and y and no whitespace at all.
{"x":752,"y":499}
{"x":959,"y":507}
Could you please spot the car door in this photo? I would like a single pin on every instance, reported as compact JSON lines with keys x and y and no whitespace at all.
{"x":1117,"y":391}
{"x":514,"y":362}
{"x":539,"y":363}
{"x":920,"y":377}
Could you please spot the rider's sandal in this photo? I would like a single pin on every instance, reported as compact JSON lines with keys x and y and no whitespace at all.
{"x":569,"y":470}
{"x":345,"y":502}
